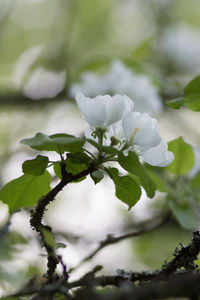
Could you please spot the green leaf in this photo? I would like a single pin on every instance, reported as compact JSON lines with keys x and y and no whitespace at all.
{"x":175,"y":103}
{"x":191,"y":99}
{"x":132,"y":164}
{"x":183,"y":157}
{"x":126,"y":188}
{"x":185,"y":215}
{"x":25,"y":191}
{"x":193,"y":87}
{"x":57,"y":170}
{"x":49,"y":238}
{"x":109,"y":150}
{"x":60,"y":142}
{"x":35,"y":166}
{"x":77,"y":163}
{"x":195,"y":182}
{"x":97,"y":176}
{"x":158,"y":181}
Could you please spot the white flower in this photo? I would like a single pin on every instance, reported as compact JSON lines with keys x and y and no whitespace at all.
{"x":102,"y":111}
{"x":121,"y":80}
{"x":44,"y":84}
{"x":142,"y":133}
{"x":24,"y":63}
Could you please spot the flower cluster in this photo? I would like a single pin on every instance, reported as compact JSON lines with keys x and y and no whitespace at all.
{"x":121,"y":80}
{"x":122,"y":126}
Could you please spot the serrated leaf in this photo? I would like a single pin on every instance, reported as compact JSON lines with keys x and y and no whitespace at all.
{"x":97,"y":176}
{"x":25,"y":191}
{"x":132,"y":164}
{"x":126,"y":189}
{"x":48,"y":238}
{"x":35,"y":166}
{"x":183,"y":156}
{"x":60,"y":143}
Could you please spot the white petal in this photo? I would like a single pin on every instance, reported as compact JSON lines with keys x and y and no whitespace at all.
{"x":103,"y":111}
{"x":158,"y":156}
{"x":116,"y":107}
{"x":142,"y":129}
{"x":93,"y":111}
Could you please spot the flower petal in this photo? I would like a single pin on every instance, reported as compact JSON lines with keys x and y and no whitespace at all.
{"x":142,"y":130}
{"x":103,"y":111}
{"x":158,"y":156}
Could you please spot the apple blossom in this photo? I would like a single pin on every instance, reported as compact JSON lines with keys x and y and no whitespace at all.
{"x":102,"y":111}
{"x":124,"y":128}
{"x":142,"y":134}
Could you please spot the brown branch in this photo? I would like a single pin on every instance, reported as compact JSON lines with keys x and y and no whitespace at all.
{"x":176,"y":286}
{"x":183,"y":258}
{"x":162,"y":283}
{"x":38,"y":213}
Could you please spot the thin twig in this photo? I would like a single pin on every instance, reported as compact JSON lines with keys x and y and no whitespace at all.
{"x":110,"y":239}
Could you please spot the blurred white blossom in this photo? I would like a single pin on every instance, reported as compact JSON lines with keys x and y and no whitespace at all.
{"x":23,"y":64}
{"x":181,"y":45}
{"x":121,"y":80}
{"x":44,"y":84}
